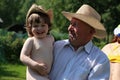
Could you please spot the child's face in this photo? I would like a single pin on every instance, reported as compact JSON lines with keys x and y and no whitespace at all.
{"x":40,"y":30}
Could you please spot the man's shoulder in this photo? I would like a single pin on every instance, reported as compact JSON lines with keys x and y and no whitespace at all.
{"x":61,"y":43}
{"x":99,"y":54}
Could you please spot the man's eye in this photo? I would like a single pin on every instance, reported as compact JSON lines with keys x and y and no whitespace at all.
{"x":73,"y":24}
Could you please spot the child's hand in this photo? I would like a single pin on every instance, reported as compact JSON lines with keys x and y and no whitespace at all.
{"x":41,"y":68}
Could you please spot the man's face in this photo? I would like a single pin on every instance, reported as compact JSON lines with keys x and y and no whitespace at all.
{"x":79,"y":32}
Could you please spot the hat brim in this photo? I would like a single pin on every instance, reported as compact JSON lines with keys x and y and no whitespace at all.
{"x":100,"y":30}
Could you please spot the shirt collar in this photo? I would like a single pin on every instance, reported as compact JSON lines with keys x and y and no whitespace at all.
{"x":87,"y":47}
{"x":66,"y":42}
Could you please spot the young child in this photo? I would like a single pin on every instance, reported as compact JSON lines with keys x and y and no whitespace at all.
{"x":37,"y":50}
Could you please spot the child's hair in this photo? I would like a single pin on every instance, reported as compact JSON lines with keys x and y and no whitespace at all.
{"x":36,"y":19}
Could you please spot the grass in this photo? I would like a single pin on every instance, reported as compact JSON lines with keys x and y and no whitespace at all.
{"x":12,"y":72}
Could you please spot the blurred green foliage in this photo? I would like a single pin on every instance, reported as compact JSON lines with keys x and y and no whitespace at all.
{"x":10,"y":46}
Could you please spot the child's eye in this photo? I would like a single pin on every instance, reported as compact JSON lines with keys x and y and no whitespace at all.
{"x":43,"y":25}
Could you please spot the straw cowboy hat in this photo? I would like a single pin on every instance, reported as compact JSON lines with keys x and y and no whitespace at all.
{"x":90,"y":16}
{"x":39,"y":9}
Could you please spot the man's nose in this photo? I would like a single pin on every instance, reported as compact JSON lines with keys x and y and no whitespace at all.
{"x":70,"y":27}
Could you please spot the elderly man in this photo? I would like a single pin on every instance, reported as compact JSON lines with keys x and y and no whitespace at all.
{"x":77,"y":58}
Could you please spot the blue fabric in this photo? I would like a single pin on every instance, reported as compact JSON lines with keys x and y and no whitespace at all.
{"x":87,"y":63}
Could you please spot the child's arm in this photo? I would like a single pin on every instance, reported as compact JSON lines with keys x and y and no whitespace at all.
{"x":25,"y":58}
{"x":25,"y":53}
